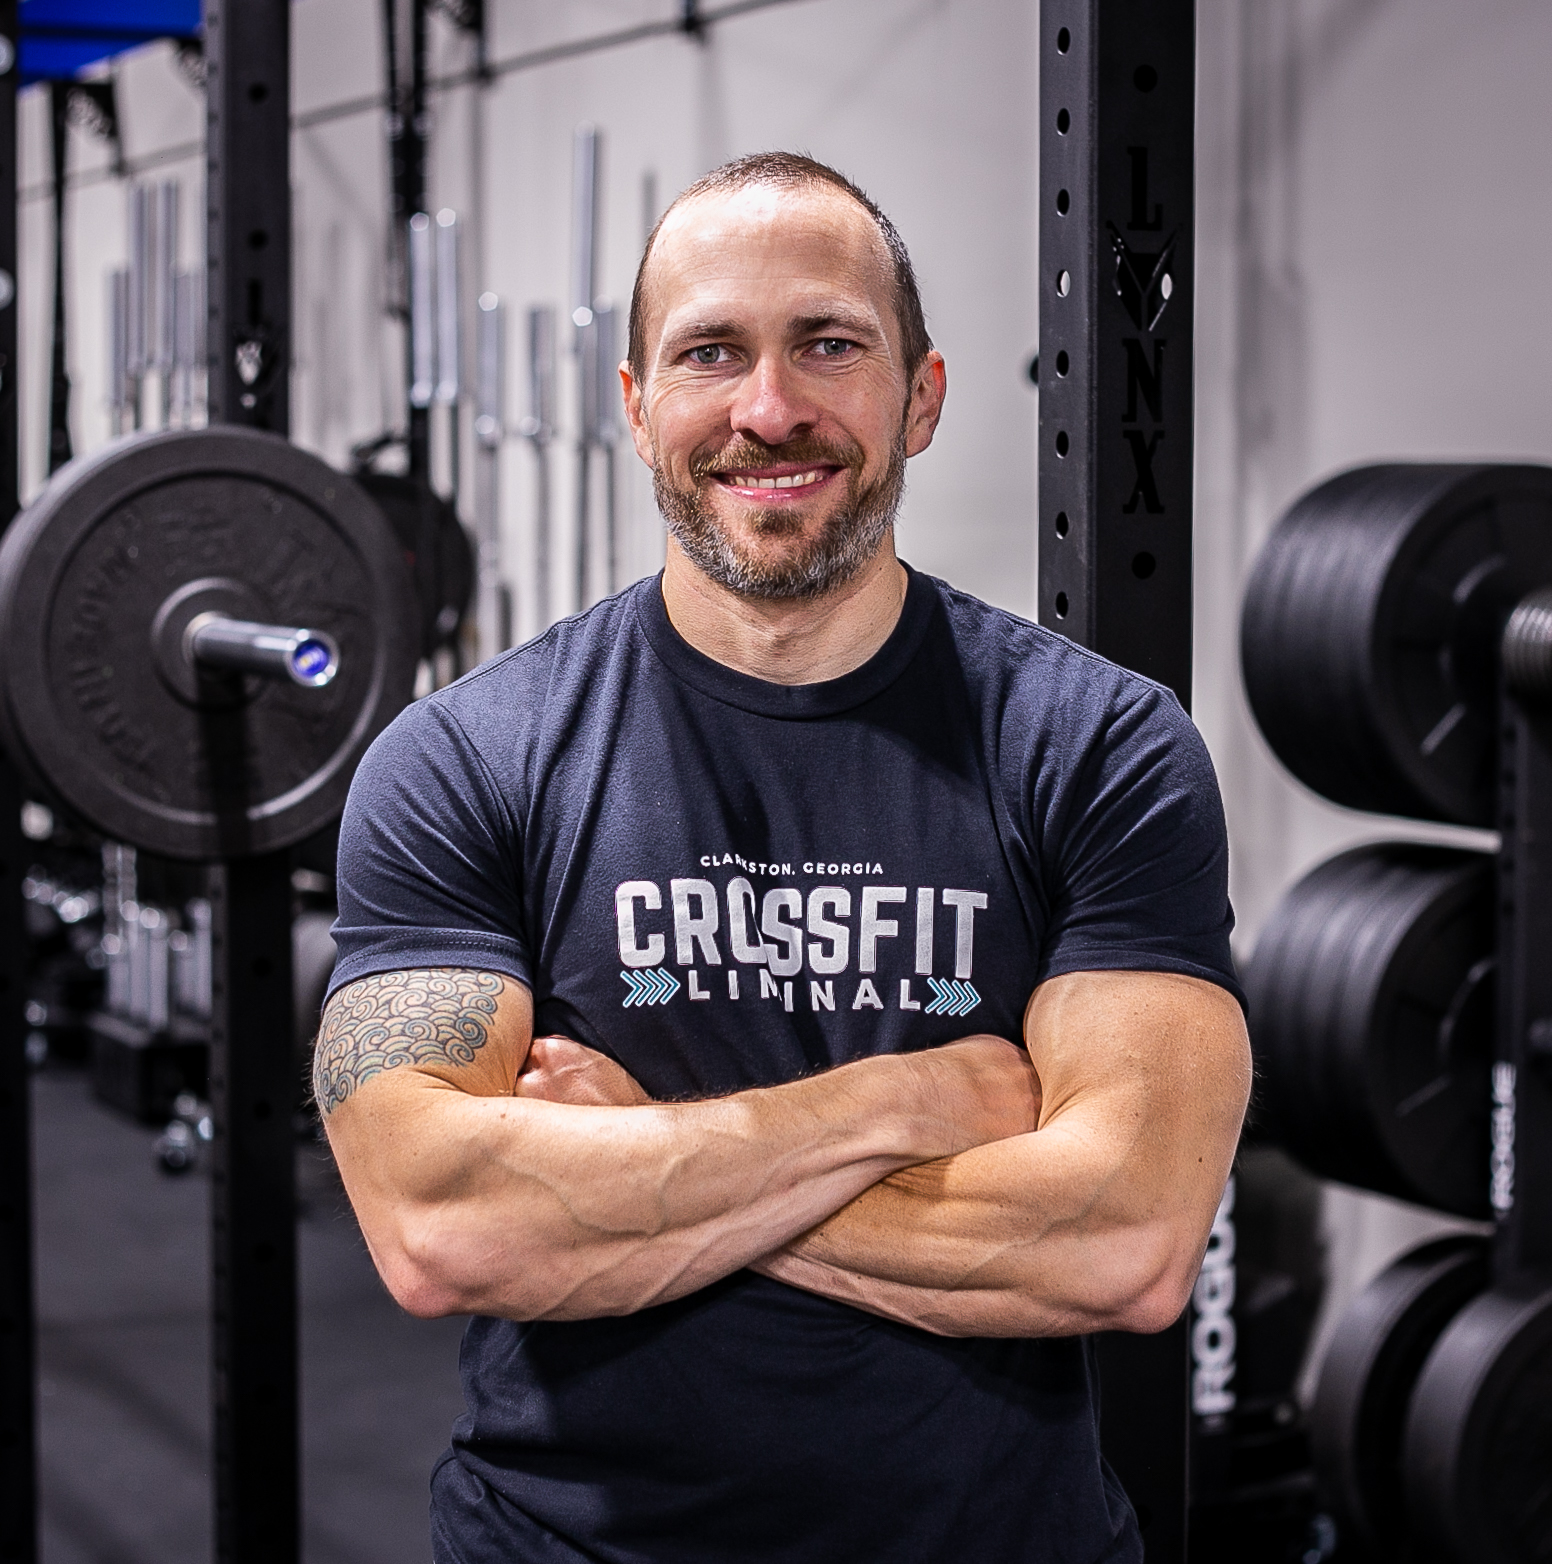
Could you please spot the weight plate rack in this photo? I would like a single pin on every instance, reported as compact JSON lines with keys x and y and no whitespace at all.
{"x":1396,"y":641}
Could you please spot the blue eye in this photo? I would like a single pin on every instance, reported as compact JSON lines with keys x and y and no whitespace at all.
{"x":707,"y":353}
{"x":833,"y":347}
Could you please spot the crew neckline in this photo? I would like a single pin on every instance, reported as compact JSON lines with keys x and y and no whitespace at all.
{"x":795,"y":701}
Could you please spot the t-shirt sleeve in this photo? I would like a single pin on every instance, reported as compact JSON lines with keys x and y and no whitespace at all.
{"x":1139,"y":864}
{"x":429,"y":865}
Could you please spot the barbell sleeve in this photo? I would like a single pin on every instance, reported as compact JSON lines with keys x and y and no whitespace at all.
{"x":305,"y":657}
{"x":1527,"y":647}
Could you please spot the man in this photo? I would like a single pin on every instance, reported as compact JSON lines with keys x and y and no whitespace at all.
{"x":685,"y":959}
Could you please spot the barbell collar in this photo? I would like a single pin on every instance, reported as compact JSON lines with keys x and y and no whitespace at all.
{"x":306,"y":657}
{"x":1527,"y":647}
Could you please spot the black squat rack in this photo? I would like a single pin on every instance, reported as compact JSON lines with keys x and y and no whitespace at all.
{"x":1117,"y":147}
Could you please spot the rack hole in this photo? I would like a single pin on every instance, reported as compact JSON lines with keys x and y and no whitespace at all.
{"x":1063,"y":444}
{"x":257,"y":239}
{"x":1062,"y":362}
{"x":1063,"y":122}
{"x":1063,"y":41}
{"x":1061,"y":524}
{"x":258,"y":92}
{"x":1061,"y":605}
{"x":1143,"y":565}
{"x":1063,"y":284}
{"x":1145,"y":78}
{"x":1063,"y":202}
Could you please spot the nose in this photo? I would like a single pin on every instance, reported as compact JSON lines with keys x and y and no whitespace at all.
{"x":770,"y":404}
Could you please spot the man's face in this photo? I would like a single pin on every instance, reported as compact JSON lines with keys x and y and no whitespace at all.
{"x":775,"y":412}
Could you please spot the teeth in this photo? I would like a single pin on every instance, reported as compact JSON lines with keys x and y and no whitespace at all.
{"x":797,"y":480}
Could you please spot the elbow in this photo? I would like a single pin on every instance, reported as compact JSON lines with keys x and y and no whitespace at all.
{"x":1153,"y":1309}
{"x":435,"y":1265}
{"x":1148,"y":1287}
{"x":424,"y":1296}
{"x":427,"y":1270}
{"x":421,"y":1283}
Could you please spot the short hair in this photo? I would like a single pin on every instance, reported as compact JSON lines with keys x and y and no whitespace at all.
{"x":792,"y":170}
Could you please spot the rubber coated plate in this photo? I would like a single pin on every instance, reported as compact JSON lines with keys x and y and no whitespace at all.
{"x":96,"y":578}
{"x":1367,"y":1375}
{"x":1478,"y":1444}
{"x":1371,"y":1015}
{"x":1370,"y":629}
{"x":436,"y":548}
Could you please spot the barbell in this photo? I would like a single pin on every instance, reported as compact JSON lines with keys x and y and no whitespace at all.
{"x":201,"y":631}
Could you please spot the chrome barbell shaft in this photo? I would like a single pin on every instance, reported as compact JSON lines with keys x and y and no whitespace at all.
{"x":306,"y":657}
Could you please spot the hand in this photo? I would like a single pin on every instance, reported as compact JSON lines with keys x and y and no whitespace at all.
{"x":560,"y":1070}
{"x":986,"y":1088}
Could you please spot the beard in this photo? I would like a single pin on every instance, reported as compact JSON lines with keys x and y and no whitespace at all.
{"x":849,"y":538}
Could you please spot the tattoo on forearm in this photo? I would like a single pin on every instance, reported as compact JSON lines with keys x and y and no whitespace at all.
{"x":398,"y":1018}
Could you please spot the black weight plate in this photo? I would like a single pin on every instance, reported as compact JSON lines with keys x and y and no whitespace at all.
{"x":1367,"y":1375}
{"x":1478,"y":1443}
{"x":436,"y":547}
{"x":1371,"y":1016}
{"x":227,"y":519}
{"x":1370,"y":625}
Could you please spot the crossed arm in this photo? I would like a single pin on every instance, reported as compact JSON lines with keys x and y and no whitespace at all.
{"x":973,"y":1189}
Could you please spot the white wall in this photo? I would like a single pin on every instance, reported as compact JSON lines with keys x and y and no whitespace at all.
{"x":872,"y":98}
{"x":1373,"y":218}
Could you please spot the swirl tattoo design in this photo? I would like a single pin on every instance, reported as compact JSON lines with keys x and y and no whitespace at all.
{"x":396,"y":1018}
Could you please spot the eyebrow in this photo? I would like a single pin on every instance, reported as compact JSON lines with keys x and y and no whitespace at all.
{"x":693,"y":330}
{"x":838,"y":320}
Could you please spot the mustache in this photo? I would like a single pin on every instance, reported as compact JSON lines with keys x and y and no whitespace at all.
{"x":745,"y":452}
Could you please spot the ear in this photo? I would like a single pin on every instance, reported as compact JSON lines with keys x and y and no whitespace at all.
{"x":926,"y":405}
{"x":635,"y":415}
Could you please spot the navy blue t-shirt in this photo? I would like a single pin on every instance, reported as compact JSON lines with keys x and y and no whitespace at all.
{"x":724,"y":883}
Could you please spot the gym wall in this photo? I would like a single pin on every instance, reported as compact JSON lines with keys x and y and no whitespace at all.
{"x":1370,"y":242}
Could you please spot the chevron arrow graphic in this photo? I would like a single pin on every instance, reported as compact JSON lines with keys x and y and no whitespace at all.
{"x":951,"y":997}
{"x":655,"y":986}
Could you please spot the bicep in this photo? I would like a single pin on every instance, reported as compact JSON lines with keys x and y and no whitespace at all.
{"x":1151,"y":1070}
{"x":450,"y":1026}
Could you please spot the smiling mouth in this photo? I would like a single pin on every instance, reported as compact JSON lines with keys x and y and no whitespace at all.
{"x":769,"y":482}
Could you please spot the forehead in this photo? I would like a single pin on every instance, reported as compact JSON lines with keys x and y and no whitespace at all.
{"x":766,"y":250}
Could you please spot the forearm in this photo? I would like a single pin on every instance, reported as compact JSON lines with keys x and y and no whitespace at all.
{"x":537,"y":1210}
{"x":1026,"y":1237}
{"x":1098,"y":1219}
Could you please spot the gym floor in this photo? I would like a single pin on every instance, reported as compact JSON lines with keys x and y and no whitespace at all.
{"x":123,"y":1300}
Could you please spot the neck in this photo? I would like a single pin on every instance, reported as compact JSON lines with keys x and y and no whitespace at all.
{"x":787,"y":642}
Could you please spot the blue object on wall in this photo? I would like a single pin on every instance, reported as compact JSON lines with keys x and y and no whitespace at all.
{"x":60,"y":38}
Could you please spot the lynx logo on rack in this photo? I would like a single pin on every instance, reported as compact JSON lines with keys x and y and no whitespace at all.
{"x":833,"y":932}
